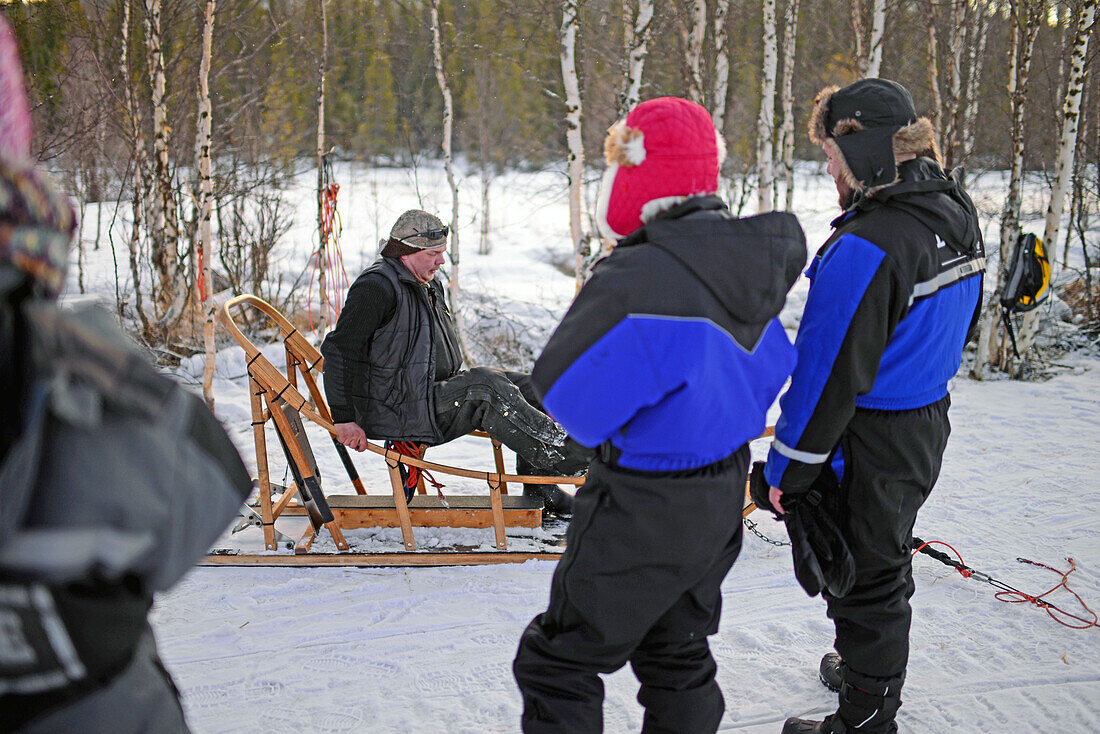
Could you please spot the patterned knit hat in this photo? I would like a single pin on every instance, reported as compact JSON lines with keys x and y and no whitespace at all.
{"x":665,"y":151}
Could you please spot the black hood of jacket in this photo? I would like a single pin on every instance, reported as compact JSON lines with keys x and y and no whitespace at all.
{"x":936,"y":199}
{"x":747,"y":264}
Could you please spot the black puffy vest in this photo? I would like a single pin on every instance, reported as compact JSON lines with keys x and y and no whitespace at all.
{"x":401,"y":362}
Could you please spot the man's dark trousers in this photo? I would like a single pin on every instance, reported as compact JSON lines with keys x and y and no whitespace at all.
{"x":504,"y":405}
{"x":892,"y":460}
{"x":639,"y":582}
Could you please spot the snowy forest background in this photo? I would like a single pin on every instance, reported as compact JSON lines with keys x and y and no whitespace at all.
{"x":187,"y":124}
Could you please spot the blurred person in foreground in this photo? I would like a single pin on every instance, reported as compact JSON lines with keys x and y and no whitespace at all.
{"x":894,"y":293}
{"x":114,"y":480}
{"x":666,"y":364}
{"x":393,"y":368}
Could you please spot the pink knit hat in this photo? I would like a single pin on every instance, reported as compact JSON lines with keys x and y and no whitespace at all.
{"x":665,"y":151}
{"x":15,"y":114}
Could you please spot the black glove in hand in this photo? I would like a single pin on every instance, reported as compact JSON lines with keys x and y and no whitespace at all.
{"x":822,"y":560}
{"x":759,"y":487}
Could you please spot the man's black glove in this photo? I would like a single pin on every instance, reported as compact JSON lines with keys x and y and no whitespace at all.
{"x":759,"y":487}
{"x":822,"y":560}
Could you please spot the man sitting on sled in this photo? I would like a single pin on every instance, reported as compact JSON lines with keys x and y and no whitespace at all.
{"x":393,"y":368}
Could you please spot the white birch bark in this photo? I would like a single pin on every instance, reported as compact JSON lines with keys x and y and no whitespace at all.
{"x":454,"y":290}
{"x":139,"y":163}
{"x":786,"y":101}
{"x":934,"y":74}
{"x":568,"y":57}
{"x":205,"y":201}
{"x":1071,"y":117}
{"x":857,"y":33}
{"x":874,"y":45}
{"x":765,"y":121}
{"x":637,"y":30}
{"x":975,"y":61}
{"x":171,"y":294}
{"x":721,"y":64}
{"x":953,"y":118}
{"x":694,"y":46}
{"x":322,"y":244}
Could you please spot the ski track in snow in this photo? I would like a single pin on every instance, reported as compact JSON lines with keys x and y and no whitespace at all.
{"x":430,"y":649}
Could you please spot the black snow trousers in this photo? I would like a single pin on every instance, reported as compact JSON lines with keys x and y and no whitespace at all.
{"x":639,"y":582}
{"x":891,"y":462}
{"x":504,"y":405}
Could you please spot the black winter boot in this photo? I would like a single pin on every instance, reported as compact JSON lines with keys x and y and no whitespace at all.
{"x":867,"y":706}
{"x":555,"y":500}
{"x":831,"y":725}
{"x":831,"y":671}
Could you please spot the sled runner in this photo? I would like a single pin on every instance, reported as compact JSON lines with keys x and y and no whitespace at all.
{"x":275,"y":397}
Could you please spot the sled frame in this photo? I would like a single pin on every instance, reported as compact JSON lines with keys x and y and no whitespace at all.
{"x":274,"y":396}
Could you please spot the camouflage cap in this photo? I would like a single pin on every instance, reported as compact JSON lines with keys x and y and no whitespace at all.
{"x":415,"y":230}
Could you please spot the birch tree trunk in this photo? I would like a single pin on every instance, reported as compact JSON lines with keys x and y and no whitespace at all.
{"x":765,"y":121}
{"x":857,"y":33}
{"x":786,"y":101}
{"x":322,"y":245}
{"x":721,"y":64}
{"x":694,"y":45}
{"x":139,"y":163}
{"x":206,"y":196}
{"x":953,"y":118}
{"x":454,"y":291}
{"x":874,"y":45}
{"x":1026,"y":16}
{"x":568,"y":57}
{"x":637,"y":29}
{"x":934,"y":74}
{"x":974,"y":65}
{"x":1071,"y":116}
{"x":171,"y":294}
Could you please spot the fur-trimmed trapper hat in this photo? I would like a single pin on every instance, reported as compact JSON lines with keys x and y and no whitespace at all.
{"x":665,"y":151}
{"x":871,"y":123}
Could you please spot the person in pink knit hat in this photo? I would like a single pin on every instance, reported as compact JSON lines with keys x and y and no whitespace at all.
{"x":96,"y":511}
{"x":665,"y":364}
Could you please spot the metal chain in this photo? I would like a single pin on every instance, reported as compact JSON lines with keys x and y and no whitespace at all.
{"x":752,"y":529}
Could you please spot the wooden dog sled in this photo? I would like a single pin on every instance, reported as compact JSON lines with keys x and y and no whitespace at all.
{"x":275,"y":397}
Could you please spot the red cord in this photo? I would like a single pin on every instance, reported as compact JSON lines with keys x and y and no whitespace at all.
{"x":330,"y":226}
{"x":1015,"y":596}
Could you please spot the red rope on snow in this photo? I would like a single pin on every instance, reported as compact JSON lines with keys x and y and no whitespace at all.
{"x":1012,"y":595}
{"x":1015,"y":597}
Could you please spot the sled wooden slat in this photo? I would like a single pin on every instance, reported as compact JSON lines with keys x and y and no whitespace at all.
{"x":445,"y":558}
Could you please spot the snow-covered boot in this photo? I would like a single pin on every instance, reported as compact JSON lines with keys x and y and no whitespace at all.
{"x":831,"y":671}
{"x":555,"y":500}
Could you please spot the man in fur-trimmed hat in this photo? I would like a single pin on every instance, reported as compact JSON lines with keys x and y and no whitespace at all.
{"x":666,"y":363}
{"x":393,"y":368}
{"x":894,"y":294}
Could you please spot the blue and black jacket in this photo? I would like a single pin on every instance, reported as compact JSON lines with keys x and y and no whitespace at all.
{"x":672,"y":351}
{"x":894,"y":294}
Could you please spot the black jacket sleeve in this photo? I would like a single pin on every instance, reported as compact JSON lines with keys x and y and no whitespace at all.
{"x":370,"y":303}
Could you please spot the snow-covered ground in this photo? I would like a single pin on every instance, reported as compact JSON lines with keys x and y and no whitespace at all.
{"x":430,"y":649}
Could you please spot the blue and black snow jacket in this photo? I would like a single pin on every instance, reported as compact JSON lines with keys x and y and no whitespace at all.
{"x":894,"y":294}
{"x":672,"y":351}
